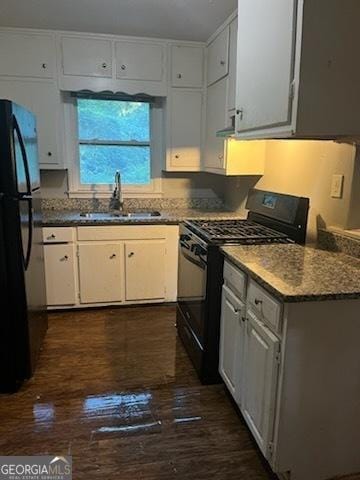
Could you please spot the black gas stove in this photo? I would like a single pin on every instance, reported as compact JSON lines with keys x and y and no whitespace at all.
{"x":245,"y":232}
{"x":272,"y":218}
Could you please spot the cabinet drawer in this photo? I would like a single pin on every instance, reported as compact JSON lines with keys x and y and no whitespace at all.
{"x":234,"y":279}
{"x":264,"y":305}
{"x":58,"y":234}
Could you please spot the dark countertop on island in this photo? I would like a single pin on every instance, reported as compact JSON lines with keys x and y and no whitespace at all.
{"x":293,"y":273}
{"x":61,"y":218}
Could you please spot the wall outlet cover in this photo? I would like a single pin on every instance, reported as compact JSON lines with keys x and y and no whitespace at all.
{"x":337,"y":186}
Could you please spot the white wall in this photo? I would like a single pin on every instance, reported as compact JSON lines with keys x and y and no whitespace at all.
{"x":54,"y":184}
{"x":305,"y":168}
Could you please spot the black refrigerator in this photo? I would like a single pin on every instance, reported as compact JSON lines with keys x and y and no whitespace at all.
{"x":23,"y":318}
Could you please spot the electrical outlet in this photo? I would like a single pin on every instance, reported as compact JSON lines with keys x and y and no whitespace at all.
{"x":337,"y":186}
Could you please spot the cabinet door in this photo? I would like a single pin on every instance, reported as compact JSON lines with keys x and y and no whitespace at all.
{"x":265,"y":63}
{"x":100,"y":272}
{"x":231,"y":101}
{"x":145,"y":270}
{"x":218,"y":57}
{"x":232,"y":342}
{"x":139,"y":61}
{"x":60,"y":274}
{"x":260,"y":381}
{"x":43,"y":99}
{"x":185,"y":130}
{"x":187,"y":66}
{"x":27,"y":55}
{"x":215,"y":120}
{"x":86,"y":56}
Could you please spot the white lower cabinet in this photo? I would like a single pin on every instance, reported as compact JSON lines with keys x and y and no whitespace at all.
{"x":145,"y":270}
{"x":100,"y":272}
{"x":260,"y":373}
{"x":232,"y":341}
{"x":285,"y":369}
{"x":101,"y":265}
{"x":60,"y":274}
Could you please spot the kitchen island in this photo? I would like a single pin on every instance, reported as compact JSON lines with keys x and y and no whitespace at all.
{"x":290,"y":357}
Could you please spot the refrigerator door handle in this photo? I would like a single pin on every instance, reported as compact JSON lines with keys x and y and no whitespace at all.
{"x":24,"y":156}
{"x":27,"y":254}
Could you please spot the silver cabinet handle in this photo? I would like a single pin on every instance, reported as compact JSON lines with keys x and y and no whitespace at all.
{"x":65,"y":258}
{"x":51,"y":237}
{"x":179,"y":75}
{"x":220,"y":157}
{"x":131,"y":254}
{"x":123,"y":67}
{"x":257,"y":301}
{"x":113,"y":256}
{"x":222,"y":62}
{"x":44,"y":66}
{"x":104,"y":65}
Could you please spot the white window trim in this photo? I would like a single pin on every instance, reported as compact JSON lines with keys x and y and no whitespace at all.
{"x":78,"y":190}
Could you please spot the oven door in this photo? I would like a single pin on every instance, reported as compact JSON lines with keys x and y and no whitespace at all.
{"x":192,"y":281}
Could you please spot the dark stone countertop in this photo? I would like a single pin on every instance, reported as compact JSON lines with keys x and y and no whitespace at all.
{"x":61,"y":218}
{"x":293,"y":273}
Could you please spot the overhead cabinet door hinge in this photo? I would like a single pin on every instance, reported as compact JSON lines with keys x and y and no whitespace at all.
{"x":271,"y":449}
{"x":278,"y":355}
{"x":292,"y":91}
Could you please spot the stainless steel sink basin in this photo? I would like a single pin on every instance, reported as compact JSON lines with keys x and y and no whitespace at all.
{"x":105,"y":215}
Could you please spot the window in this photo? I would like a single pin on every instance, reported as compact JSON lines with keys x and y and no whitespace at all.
{"x":114,"y":135}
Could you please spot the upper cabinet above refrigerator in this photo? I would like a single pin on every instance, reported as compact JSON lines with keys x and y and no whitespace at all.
{"x":296,"y":74}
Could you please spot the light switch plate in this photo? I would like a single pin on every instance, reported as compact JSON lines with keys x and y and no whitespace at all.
{"x":337,"y":186}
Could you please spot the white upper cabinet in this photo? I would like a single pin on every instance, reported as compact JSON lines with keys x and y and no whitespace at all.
{"x":43,"y":98}
{"x":27,"y":55}
{"x":215,"y":120}
{"x":265,"y":62}
{"x":229,"y":157}
{"x":218,"y":57}
{"x":187,"y":64}
{"x":296,"y":77}
{"x":86,"y":56}
{"x":139,"y":61}
{"x":185,"y":128}
{"x":231,"y":101}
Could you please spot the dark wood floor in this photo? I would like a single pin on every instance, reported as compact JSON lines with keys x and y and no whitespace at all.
{"x":115,"y":389}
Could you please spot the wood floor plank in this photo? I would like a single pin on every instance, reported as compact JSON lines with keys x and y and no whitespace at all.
{"x":115,"y":389}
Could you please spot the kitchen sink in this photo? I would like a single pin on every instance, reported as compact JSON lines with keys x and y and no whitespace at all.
{"x":94,"y":216}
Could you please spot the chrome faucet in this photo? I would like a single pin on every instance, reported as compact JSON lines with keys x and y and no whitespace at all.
{"x":116,"y":201}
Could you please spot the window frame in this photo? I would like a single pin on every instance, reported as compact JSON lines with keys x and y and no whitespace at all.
{"x":77,"y":189}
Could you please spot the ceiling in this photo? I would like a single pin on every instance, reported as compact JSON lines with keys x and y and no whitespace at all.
{"x":175,"y":19}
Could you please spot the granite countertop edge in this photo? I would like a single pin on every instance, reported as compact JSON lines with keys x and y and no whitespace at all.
{"x":285,"y":298}
{"x":63,"y":218}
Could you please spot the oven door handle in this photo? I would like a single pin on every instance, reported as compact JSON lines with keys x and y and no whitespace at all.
{"x":200,"y":263}
{"x":184,"y":245}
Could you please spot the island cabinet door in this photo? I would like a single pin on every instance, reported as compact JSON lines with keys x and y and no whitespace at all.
{"x":100,"y":272}
{"x":145,"y":270}
{"x":232,"y":342}
{"x":260,"y":381}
